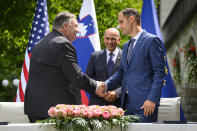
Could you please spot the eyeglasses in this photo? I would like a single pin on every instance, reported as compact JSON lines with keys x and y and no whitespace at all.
{"x":111,"y":38}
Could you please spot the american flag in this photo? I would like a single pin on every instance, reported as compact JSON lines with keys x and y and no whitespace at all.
{"x":40,"y":28}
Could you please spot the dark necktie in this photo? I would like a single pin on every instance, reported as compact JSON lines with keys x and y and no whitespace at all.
{"x":130,"y":49}
{"x":110,"y":64}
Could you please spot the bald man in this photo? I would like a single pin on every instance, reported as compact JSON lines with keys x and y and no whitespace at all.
{"x":103,"y":64}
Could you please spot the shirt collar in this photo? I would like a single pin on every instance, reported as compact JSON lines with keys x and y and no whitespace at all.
{"x":136,"y":37}
{"x":115,"y":52}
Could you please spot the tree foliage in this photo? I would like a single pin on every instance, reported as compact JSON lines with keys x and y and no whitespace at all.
{"x":15,"y":25}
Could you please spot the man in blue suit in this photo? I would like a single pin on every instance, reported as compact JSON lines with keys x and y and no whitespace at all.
{"x":141,"y":71}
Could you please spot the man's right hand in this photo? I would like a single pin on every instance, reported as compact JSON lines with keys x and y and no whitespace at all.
{"x":101,"y":89}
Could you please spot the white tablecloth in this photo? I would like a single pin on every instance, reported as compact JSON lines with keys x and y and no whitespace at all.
{"x":131,"y":127}
{"x":13,"y":112}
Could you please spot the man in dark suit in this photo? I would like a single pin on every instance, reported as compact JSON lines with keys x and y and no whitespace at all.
{"x":141,"y":71}
{"x":101,"y":67}
{"x":54,"y":72}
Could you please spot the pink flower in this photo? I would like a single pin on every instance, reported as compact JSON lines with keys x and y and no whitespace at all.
{"x":112,"y":107}
{"x":93,"y":107}
{"x":90,"y":113}
{"x":53,"y":112}
{"x":114,"y":112}
{"x":59,"y":106}
{"x":106,"y":114}
{"x":104,"y":107}
{"x":64,"y":112}
{"x":70,"y":110}
{"x":77,"y":111}
{"x":97,"y":112}
{"x":120,"y":111}
{"x":82,"y":106}
{"x":85,"y":112}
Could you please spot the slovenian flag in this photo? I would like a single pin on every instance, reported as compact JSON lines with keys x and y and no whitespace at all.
{"x":87,"y":39}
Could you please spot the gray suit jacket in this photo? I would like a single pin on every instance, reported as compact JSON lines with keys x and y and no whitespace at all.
{"x":98,"y":70}
{"x":53,"y":69}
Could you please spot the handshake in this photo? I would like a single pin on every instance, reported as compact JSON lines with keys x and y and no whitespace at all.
{"x":101,"y":91}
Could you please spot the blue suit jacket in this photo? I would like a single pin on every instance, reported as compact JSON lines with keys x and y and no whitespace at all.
{"x":145,"y":73}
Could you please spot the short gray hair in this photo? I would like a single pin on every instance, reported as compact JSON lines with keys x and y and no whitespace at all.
{"x":61,"y":18}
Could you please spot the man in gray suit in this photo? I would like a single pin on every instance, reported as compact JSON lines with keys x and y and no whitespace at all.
{"x":103,"y":64}
{"x":53,"y":68}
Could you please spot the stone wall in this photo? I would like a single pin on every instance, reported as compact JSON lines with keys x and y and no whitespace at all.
{"x":165,"y":8}
{"x":188,"y":91}
{"x":189,"y":102}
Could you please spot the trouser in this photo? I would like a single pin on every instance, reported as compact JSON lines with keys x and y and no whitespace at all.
{"x":140,"y":112}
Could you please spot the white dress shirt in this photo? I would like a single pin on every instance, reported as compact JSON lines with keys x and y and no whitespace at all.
{"x":115,"y":52}
{"x":136,"y":37}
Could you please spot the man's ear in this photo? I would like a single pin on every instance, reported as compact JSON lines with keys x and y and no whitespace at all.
{"x":131,"y":18}
{"x":119,"y":39}
{"x":65,"y":26}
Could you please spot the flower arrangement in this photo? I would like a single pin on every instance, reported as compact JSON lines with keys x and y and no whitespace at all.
{"x":84,"y":118}
{"x":176,"y":71}
{"x":189,"y":51}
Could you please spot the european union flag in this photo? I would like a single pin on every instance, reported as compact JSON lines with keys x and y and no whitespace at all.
{"x":150,"y":23}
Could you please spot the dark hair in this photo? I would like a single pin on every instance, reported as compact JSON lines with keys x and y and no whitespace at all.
{"x":132,"y":12}
{"x":61,"y":18}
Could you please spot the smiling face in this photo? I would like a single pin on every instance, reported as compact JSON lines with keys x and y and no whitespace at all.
{"x":71,"y":29}
{"x":111,"y":39}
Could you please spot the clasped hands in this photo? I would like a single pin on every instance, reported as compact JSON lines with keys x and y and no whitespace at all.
{"x":101,"y":91}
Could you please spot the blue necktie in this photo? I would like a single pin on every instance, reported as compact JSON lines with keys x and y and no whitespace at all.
{"x":110,"y":64}
{"x":130,"y":49}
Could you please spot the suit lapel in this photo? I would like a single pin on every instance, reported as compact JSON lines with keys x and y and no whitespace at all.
{"x":118,"y":60}
{"x":136,"y":47}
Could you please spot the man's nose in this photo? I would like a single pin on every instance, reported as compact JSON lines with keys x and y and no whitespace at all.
{"x":77,"y":30}
{"x":110,"y":40}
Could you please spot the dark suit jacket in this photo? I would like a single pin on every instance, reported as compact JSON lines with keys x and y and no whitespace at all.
{"x":53,"y":71}
{"x":97,"y":69}
{"x":144,"y":75}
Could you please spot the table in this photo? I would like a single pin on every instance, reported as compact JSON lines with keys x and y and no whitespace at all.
{"x":131,"y":127}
